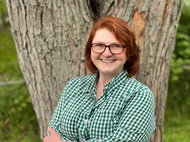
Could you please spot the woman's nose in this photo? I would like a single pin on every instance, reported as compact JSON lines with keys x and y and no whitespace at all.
{"x":107,"y":52}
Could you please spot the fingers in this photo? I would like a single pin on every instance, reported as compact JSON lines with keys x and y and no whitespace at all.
{"x":51,"y":130}
{"x":53,"y":136}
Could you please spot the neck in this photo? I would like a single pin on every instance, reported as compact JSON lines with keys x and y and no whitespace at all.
{"x":102,"y":81}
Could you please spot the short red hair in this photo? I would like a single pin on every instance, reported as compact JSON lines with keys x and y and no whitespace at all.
{"x":124,"y":35}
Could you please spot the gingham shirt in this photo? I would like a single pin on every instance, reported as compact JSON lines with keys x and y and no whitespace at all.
{"x":124,"y":112}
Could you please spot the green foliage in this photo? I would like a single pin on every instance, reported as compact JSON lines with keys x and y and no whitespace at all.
{"x":2,"y":6}
{"x":177,"y":123}
{"x":17,"y":118}
{"x":180,"y":64}
{"x":3,"y":15}
{"x":9,"y":68}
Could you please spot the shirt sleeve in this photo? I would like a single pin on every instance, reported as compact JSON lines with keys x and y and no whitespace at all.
{"x":56,"y":117}
{"x":137,"y":121}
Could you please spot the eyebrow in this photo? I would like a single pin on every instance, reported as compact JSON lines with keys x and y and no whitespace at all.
{"x":105,"y":43}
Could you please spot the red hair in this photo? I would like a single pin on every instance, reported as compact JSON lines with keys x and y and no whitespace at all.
{"x":124,"y":35}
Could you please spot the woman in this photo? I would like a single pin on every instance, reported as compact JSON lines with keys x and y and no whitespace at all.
{"x":109,"y":105}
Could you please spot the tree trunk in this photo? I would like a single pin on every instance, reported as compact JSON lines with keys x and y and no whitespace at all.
{"x":50,"y":37}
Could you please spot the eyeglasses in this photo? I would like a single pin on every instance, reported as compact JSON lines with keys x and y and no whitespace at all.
{"x":113,"y":48}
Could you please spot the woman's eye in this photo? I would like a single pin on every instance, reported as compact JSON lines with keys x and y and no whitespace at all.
{"x":116,"y":46}
{"x":100,"y":45}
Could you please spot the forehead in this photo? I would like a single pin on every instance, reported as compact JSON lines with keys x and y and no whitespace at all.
{"x":104,"y":35}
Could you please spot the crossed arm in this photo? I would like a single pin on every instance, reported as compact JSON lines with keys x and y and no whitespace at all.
{"x":54,"y":136}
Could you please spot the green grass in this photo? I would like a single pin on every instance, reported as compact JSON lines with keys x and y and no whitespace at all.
{"x":17,"y":118}
{"x":177,"y":122}
{"x":9,"y":69}
{"x":176,"y":129}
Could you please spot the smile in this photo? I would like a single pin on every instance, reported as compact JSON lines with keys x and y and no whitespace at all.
{"x":107,"y":60}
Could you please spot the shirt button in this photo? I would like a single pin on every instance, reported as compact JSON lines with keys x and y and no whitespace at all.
{"x":82,"y":140}
{"x":102,"y":111}
{"x":85,"y":121}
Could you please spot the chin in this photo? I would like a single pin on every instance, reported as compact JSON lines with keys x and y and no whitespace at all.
{"x":107,"y":72}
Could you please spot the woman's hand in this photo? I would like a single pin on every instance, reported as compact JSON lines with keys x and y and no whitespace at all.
{"x":54,"y":136}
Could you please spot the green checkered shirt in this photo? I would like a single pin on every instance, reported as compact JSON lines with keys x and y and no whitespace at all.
{"x":124,"y":113}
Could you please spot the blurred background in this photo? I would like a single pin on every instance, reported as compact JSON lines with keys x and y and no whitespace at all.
{"x":18,"y":122}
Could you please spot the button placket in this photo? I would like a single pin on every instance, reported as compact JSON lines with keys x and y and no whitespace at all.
{"x":85,"y":121}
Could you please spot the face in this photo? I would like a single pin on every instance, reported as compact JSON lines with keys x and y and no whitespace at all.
{"x":106,"y":62}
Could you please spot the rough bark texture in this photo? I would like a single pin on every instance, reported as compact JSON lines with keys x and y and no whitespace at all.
{"x":50,"y":37}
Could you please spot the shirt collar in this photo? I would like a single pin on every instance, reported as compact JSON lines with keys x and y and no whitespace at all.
{"x":92,"y":83}
{"x":115,"y":82}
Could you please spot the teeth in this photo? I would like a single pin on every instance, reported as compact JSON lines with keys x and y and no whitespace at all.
{"x":108,"y":61}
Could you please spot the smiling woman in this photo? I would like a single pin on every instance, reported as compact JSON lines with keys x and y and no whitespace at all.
{"x":109,"y":105}
{"x":118,"y":32}
{"x":108,"y":63}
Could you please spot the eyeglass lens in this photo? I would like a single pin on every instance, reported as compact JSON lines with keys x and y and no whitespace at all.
{"x":114,"y":48}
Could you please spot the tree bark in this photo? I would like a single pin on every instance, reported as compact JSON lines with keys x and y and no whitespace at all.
{"x":50,"y":37}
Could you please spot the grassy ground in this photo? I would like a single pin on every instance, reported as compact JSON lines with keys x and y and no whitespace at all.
{"x":17,"y":118}
{"x":176,"y":128}
{"x":9,"y":69}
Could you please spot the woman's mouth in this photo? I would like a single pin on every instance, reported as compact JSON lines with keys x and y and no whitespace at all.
{"x":107,"y":60}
